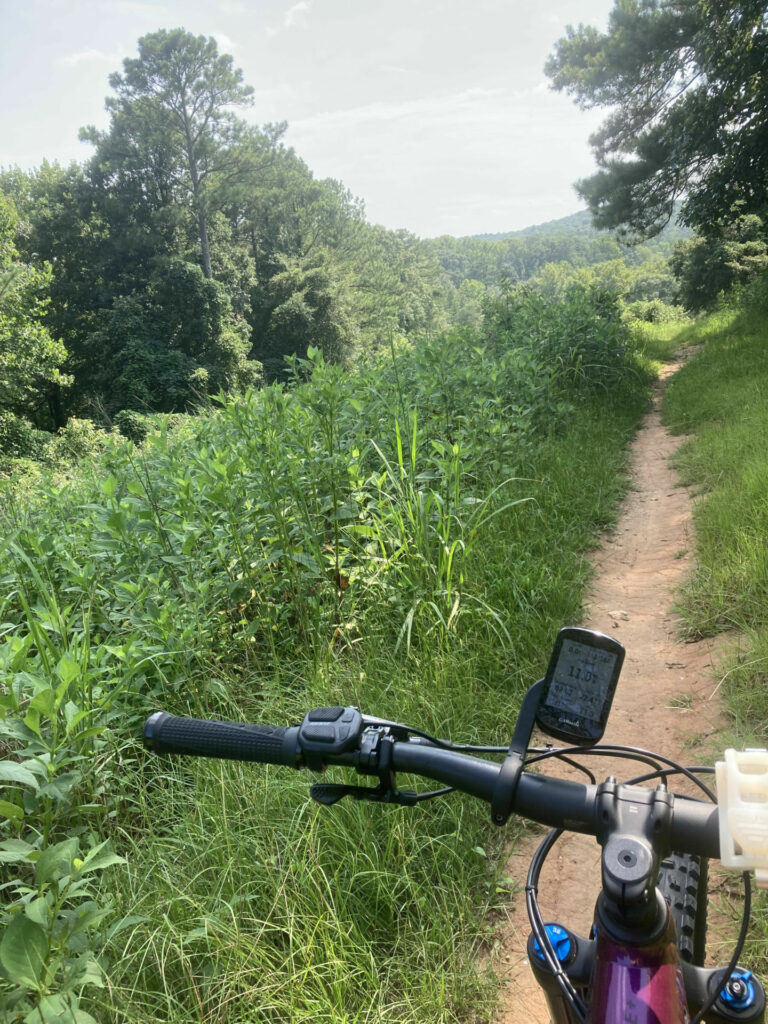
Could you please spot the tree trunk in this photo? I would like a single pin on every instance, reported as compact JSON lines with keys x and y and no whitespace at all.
{"x":55,"y":407}
{"x":202,"y":224}
{"x":204,"y":246}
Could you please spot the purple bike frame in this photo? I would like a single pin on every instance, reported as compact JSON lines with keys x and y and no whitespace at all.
{"x":637,"y":985}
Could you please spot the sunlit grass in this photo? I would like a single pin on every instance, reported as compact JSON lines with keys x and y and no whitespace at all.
{"x":721,"y":398}
{"x":656,"y":344}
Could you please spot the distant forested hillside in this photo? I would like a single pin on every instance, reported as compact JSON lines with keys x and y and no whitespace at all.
{"x":519,"y":255}
{"x":581,"y":223}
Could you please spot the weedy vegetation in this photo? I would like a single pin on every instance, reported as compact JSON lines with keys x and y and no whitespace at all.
{"x":407,"y":538}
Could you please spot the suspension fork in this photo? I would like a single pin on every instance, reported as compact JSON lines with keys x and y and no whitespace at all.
{"x":742,"y":1001}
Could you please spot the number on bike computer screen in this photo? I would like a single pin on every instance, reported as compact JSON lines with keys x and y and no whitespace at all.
{"x":582,"y":680}
{"x":579,"y":685}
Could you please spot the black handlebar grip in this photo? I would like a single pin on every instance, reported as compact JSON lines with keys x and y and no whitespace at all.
{"x":237,"y":741}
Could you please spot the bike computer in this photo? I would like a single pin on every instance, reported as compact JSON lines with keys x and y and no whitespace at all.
{"x":579,"y":685}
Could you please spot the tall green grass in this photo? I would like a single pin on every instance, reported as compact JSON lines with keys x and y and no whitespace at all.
{"x":721,"y":399}
{"x":407,"y":539}
{"x":657,"y":343}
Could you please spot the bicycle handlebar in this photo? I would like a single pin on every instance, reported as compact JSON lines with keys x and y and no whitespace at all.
{"x":557,"y":803}
{"x":235,"y":741}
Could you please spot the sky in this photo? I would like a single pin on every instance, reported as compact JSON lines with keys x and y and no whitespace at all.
{"x":436,"y":113}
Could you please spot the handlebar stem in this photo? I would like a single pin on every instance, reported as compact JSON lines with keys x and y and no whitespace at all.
{"x":634,"y":828}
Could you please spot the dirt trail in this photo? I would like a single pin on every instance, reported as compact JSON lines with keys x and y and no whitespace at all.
{"x":663,"y":701}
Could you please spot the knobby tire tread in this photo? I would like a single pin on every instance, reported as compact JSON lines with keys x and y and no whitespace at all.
{"x":683,"y":883}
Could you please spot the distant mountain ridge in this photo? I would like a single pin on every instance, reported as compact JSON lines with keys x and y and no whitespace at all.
{"x":580,"y":221}
{"x":518,"y":256}
{"x":575,"y":223}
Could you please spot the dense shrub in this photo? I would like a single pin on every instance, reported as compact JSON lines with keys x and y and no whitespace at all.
{"x":132,"y":424}
{"x":655,"y":311}
{"x":79,"y":439}
{"x":730,"y":255}
{"x":19,"y":439}
{"x":405,"y":538}
{"x":581,"y":339}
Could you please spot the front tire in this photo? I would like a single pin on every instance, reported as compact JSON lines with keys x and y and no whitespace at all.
{"x":683,"y":884}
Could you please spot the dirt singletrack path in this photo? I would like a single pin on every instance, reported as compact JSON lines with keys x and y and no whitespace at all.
{"x":663,"y":702}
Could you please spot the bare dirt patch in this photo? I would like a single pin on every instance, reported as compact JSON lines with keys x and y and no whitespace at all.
{"x":664,"y":701}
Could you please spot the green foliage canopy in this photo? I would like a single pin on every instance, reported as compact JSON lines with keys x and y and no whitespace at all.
{"x":302,"y":307}
{"x":686,"y":87}
{"x":171,"y":122}
{"x":707,"y":266}
{"x":171,"y":344}
{"x":30,"y":359}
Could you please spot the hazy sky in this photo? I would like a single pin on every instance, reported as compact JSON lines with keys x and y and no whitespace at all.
{"x":435,"y":112}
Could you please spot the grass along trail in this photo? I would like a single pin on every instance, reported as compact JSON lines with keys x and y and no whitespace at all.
{"x":664,"y":701}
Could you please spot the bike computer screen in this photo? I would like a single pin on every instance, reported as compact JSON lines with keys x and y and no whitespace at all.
{"x":579,"y":685}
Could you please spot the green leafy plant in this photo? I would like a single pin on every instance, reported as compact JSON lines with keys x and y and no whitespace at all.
{"x":52,"y":930}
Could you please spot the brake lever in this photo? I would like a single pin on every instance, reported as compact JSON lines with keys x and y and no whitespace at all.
{"x":329,"y":793}
{"x":374,"y":757}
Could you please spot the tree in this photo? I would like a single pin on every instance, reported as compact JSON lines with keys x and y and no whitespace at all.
{"x":161,"y":349}
{"x":301,"y":306}
{"x":686,"y":84}
{"x":395,"y":283}
{"x":29,"y":357}
{"x":467,"y":303}
{"x":707,"y":266}
{"x":171,"y":128}
{"x":652,"y":280}
{"x":91,"y":253}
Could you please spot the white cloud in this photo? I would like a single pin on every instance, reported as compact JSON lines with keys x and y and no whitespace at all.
{"x":224,"y":43}
{"x":432,"y":108}
{"x":464,"y":161}
{"x":296,"y":15}
{"x":142,"y":7}
{"x":275,"y":97}
{"x":90,"y":57}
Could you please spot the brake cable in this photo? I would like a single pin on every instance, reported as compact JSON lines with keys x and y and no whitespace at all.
{"x":538,"y":928}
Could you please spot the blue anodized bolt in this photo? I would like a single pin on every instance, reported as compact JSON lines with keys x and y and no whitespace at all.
{"x":739,"y":992}
{"x":560,"y":941}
